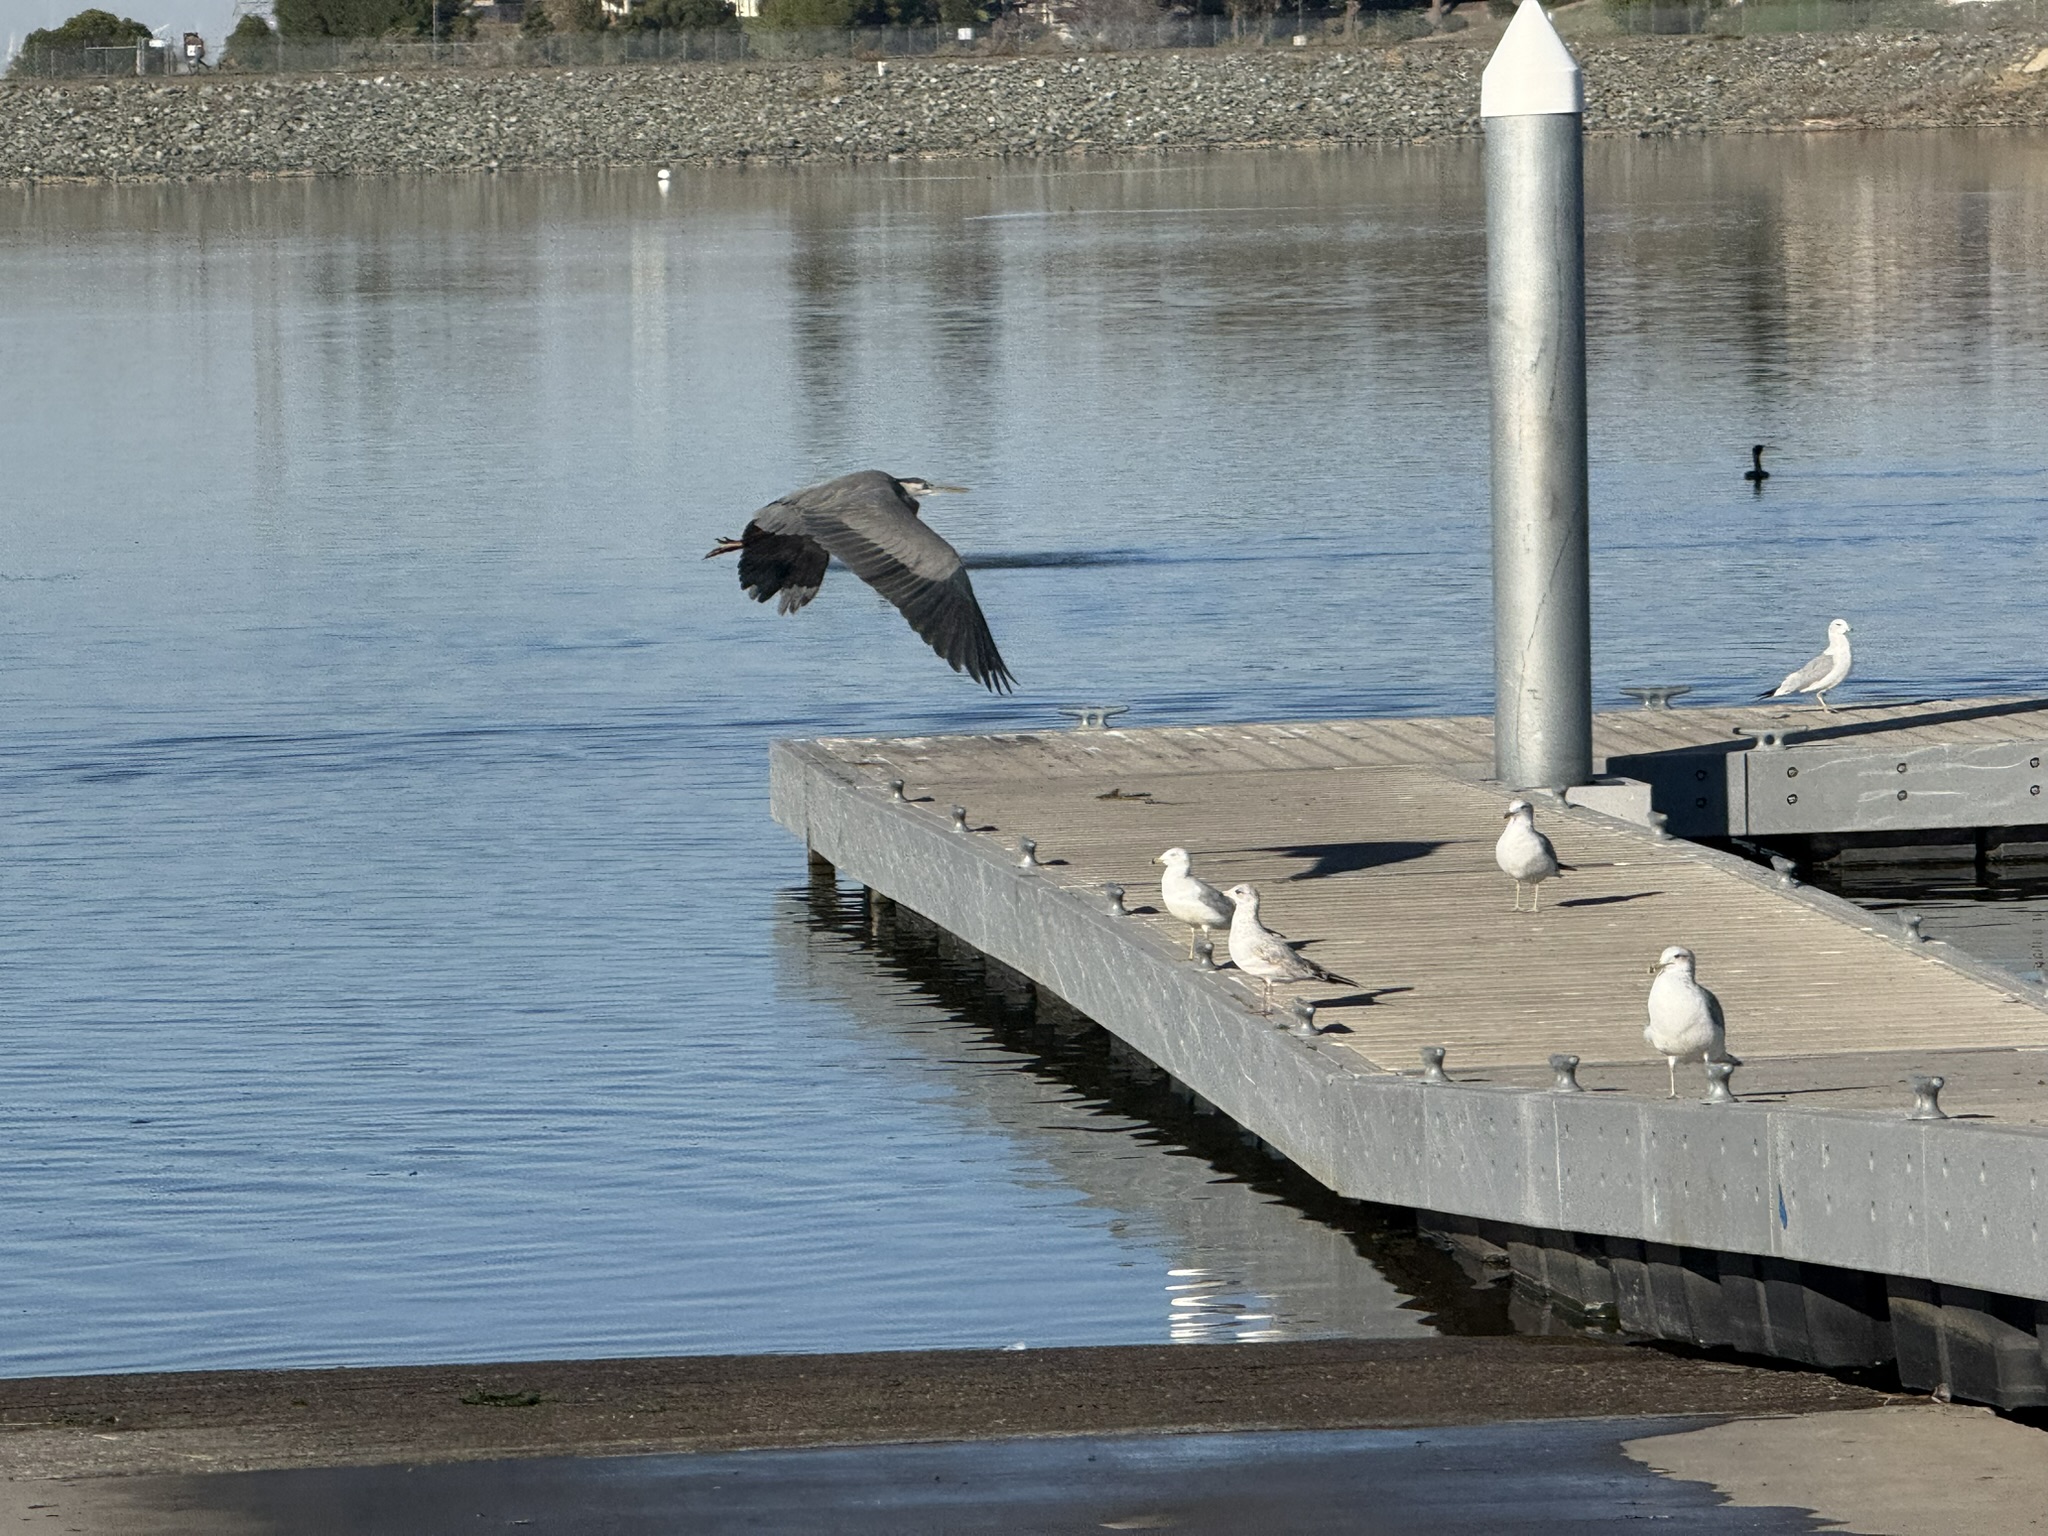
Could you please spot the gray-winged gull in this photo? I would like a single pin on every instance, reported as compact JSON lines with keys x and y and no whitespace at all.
{"x":1685,"y":1018}
{"x":1822,"y":674}
{"x":1258,"y":951}
{"x":1193,"y":900}
{"x":1525,"y":855}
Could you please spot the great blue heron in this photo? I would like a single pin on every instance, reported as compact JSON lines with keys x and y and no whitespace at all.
{"x":1822,"y":675}
{"x":869,"y":522}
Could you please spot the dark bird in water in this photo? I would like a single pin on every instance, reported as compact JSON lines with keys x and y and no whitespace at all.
{"x":1756,"y":474}
{"x":868,"y":521}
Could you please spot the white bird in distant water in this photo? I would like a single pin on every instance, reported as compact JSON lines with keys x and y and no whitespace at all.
{"x":1258,"y":951}
{"x":1824,"y":673}
{"x":1685,"y":1018}
{"x":1525,"y":855}
{"x":1193,"y":900}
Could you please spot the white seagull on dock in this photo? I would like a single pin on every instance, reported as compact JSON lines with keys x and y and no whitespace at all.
{"x":1685,"y":1018}
{"x":1824,"y":673}
{"x":1525,"y":855}
{"x":1258,"y":951}
{"x":1194,"y":901}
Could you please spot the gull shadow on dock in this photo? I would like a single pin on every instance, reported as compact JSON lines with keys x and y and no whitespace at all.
{"x":1349,"y":858}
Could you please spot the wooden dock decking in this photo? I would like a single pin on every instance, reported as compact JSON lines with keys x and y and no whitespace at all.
{"x":1373,"y":840}
{"x":1815,"y":1219}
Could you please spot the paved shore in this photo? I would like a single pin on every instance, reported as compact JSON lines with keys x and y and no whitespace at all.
{"x":231,"y":126}
{"x":1568,"y":1434}
{"x":240,"y":1420}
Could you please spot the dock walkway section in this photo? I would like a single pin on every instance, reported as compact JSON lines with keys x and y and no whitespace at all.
{"x":1880,"y":1237}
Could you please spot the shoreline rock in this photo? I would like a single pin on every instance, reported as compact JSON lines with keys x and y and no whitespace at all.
{"x":234,"y":127}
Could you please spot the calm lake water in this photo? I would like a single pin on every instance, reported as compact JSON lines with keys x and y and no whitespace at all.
{"x":400,"y":961}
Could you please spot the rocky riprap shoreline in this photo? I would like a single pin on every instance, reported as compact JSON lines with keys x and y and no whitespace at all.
{"x":324,"y":125}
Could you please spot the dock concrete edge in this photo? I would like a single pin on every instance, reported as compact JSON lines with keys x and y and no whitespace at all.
{"x":1950,"y":1202}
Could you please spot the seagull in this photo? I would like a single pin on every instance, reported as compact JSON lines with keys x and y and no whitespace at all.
{"x":1194,"y":901}
{"x":1756,"y":474}
{"x":869,"y":522}
{"x":1258,"y":951}
{"x":1525,"y":855}
{"x":1824,"y":673}
{"x":1685,"y":1018}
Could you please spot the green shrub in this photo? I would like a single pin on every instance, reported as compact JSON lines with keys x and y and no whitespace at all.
{"x":350,"y":18}
{"x":89,"y":29}
{"x":685,"y":15}
{"x":252,"y":45}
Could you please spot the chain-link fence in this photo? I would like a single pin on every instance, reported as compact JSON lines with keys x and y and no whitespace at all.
{"x":1011,"y":35}
{"x":1758,"y":18}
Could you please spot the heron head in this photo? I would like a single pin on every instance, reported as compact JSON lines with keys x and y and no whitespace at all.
{"x":917,"y":485}
{"x":1244,"y":896}
{"x":1517,"y":808}
{"x":1174,"y":858}
{"x":1677,"y":955}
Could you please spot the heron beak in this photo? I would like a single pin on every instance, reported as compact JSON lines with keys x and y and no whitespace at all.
{"x":956,"y":490}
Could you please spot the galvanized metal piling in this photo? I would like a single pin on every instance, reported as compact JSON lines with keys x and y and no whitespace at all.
{"x":1531,"y":98}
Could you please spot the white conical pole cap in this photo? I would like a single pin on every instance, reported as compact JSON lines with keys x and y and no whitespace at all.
{"x":1531,"y":73}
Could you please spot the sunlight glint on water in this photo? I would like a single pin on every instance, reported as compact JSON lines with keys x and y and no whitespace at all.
{"x":402,"y":964}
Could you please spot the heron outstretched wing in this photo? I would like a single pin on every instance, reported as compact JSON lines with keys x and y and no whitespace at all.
{"x":871,"y":526}
{"x":788,"y":565}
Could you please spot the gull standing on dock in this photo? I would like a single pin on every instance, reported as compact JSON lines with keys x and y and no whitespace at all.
{"x":1525,"y":855}
{"x":1257,"y":951}
{"x":1824,"y":673}
{"x":1193,"y":900}
{"x":1685,"y":1018}
{"x":868,"y":521}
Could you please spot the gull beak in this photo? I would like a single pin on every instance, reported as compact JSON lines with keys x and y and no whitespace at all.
{"x":1159,"y":859}
{"x":1655,"y":968}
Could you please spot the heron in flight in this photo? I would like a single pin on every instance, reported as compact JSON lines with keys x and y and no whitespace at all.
{"x":868,"y":521}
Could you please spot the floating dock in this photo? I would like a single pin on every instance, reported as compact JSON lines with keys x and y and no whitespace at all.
{"x":1812,"y":1220}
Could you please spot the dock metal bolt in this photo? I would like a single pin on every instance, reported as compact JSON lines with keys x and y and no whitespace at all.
{"x":1029,"y":848}
{"x":1305,"y":1017}
{"x":896,"y":790}
{"x":1566,"y":1067}
{"x":1718,"y":1091}
{"x":1910,"y":921}
{"x":959,"y":818}
{"x":1115,"y":893}
{"x":1433,"y":1064}
{"x":1926,"y":1098}
{"x":1205,"y":955}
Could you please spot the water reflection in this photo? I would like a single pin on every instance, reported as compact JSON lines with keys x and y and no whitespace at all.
{"x":1994,"y":910}
{"x":384,"y":771}
{"x":1248,"y":1247}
